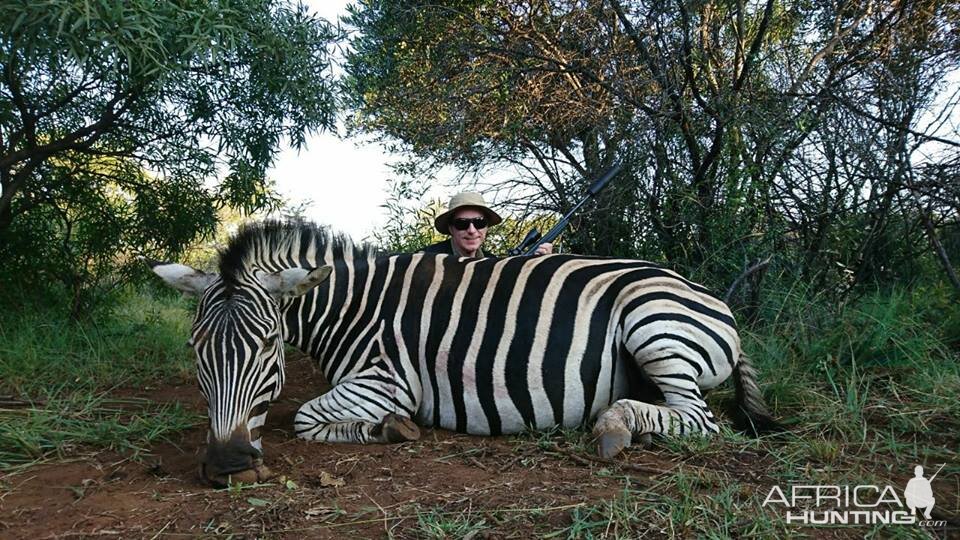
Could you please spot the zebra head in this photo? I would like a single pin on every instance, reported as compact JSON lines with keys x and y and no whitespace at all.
{"x":238,"y":339}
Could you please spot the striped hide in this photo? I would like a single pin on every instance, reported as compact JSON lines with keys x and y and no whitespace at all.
{"x":482,"y":346}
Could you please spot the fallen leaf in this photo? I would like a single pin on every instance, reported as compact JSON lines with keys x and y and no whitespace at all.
{"x":328,"y":480}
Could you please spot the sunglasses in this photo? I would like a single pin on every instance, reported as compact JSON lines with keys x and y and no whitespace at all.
{"x":462,"y":224}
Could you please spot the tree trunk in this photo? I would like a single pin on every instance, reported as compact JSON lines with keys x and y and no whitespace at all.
{"x":941,"y":253}
{"x":6,"y":218}
{"x":12,"y":183}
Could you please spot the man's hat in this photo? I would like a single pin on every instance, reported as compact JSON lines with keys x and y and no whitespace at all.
{"x":467,"y":199}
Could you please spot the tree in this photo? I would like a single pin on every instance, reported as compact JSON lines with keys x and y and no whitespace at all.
{"x":723,"y":113}
{"x":117,"y":117}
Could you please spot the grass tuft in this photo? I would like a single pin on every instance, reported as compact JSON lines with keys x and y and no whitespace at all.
{"x":60,"y":377}
{"x":435,"y":523}
{"x":64,"y":424}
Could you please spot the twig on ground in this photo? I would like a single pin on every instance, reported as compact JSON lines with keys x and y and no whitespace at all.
{"x":588,"y":460}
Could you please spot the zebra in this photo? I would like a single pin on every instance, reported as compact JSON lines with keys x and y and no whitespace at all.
{"x":482,"y":346}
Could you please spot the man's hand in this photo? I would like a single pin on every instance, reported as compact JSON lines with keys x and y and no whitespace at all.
{"x":544,"y":249}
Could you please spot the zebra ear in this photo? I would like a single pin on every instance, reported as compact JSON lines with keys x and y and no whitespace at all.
{"x":182,"y":277}
{"x":294,"y":281}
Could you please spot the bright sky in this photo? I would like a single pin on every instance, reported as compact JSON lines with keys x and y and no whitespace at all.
{"x":345,"y":180}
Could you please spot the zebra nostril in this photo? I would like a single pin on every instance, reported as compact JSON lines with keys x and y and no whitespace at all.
{"x":230,"y":457}
{"x":235,"y":461}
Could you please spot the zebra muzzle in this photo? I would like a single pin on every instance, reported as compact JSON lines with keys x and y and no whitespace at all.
{"x":234,"y":461}
{"x":258,"y":473}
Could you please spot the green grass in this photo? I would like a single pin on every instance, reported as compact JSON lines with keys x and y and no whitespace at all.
{"x":434,"y":523}
{"x":141,"y":339}
{"x":62,"y":376}
{"x":868,"y":388}
{"x":878,"y":370}
{"x":64,"y":426}
{"x":619,"y":517}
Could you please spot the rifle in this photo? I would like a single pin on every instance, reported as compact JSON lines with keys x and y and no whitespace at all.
{"x":533,"y":239}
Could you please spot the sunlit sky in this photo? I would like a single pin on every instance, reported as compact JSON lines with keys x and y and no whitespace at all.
{"x":344,"y":180}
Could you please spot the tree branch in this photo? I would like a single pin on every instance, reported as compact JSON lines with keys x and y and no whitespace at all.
{"x":893,"y":125}
{"x":746,"y":273}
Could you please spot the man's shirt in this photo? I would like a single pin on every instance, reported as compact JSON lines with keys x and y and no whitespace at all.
{"x":446,"y":247}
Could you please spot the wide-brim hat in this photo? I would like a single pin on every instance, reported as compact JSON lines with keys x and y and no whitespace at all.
{"x":467,"y":199}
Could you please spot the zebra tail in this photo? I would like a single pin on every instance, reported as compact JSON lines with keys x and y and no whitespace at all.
{"x":750,"y":412}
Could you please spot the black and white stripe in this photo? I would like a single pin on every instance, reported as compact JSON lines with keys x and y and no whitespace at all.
{"x":240,"y":357}
{"x":483,"y":346}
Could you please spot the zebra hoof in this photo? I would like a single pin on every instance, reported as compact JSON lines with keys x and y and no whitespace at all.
{"x":243,"y":477}
{"x":646,"y":441}
{"x":220,"y":481}
{"x":397,"y":429}
{"x":610,"y":443}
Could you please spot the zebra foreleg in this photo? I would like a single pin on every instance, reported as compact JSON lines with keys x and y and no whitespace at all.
{"x":393,"y":428}
{"x":354,"y":412}
{"x":628,"y":419}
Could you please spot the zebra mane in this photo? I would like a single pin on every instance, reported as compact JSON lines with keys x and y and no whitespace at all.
{"x":283,"y":240}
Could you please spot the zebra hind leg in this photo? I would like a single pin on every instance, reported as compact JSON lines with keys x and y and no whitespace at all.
{"x":628,"y":421}
{"x":674,"y":372}
{"x":685,"y":412}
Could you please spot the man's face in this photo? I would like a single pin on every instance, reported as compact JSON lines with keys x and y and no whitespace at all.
{"x":467,"y":241}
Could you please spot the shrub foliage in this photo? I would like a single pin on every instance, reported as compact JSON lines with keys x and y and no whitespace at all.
{"x":118,"y":117}
{"x":813,"y":131}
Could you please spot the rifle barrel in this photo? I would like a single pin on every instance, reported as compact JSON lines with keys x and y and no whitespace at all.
{"x":936,"y":473}
{"x":601,"y":183}
{"x":592,"y":191}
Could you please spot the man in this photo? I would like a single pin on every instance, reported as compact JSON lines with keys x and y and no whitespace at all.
{"x":466,"y":221}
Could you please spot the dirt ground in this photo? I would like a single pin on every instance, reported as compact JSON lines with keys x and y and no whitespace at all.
{"x":518,"y":486}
